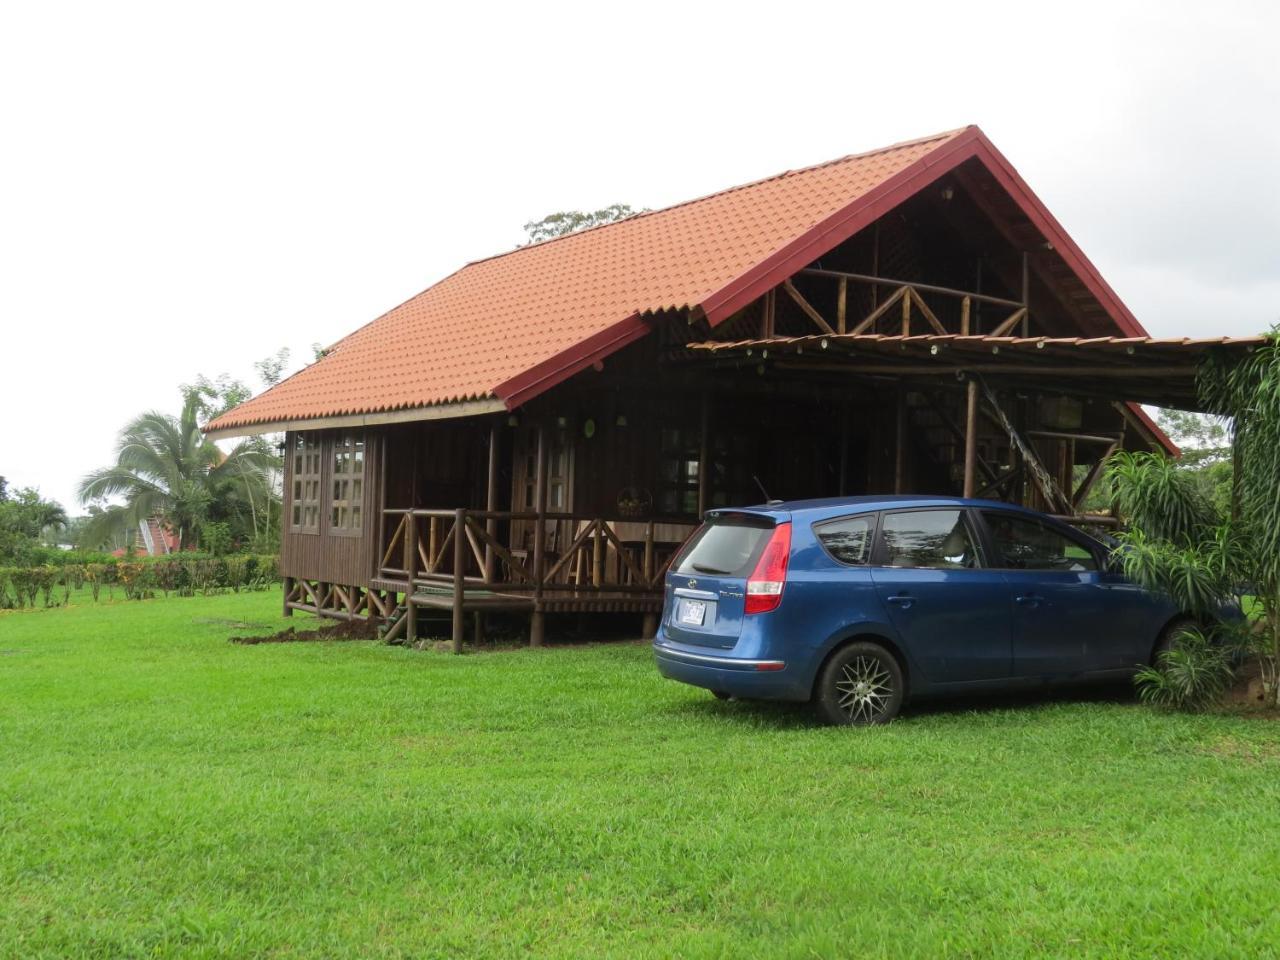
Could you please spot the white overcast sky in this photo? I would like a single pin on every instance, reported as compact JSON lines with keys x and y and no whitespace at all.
{"x":186,"y":188}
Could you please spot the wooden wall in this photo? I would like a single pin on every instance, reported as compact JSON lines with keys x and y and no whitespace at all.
{"x":322,"y":556}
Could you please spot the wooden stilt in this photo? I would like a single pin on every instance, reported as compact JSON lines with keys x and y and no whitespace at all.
{"x":649,"y":626}
{"x":477,"y":628}
{"x":900,"y":442}
{"x":970,"y":437}
{"x":702,"y":457}
{"x":288,"y":592}
{"x":539,"y":538}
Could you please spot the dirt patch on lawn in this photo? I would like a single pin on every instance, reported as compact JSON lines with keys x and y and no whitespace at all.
{"x":342,"y":630}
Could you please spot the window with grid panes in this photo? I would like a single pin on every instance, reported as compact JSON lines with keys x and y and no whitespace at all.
{"x":347,"y":505}
{"x":304,"y":507}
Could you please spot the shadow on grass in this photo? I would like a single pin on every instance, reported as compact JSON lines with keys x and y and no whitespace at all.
{"x":784,"y":715}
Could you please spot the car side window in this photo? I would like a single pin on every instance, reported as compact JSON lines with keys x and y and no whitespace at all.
{"x":848,"y":539}
{"x":937,"y":539}
{"x":1025,"y":544}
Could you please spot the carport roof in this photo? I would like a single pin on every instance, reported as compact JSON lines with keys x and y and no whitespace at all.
{"x":1152,"y":370}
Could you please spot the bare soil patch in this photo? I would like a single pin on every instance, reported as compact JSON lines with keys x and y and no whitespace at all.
{"x":339,"y":630}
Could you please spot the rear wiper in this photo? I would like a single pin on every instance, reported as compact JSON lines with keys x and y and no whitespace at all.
{"x":701,"y":569}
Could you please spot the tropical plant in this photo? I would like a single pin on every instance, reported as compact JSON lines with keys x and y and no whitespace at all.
{"x":166,"y":468}
{"x":1191,"y":675}
{"x":1201,"y":551}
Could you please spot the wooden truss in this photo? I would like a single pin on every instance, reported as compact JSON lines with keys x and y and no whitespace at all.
{"x":905,"y":302}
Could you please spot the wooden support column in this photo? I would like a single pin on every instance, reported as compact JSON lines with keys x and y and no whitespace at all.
{"x":1026,"y":294}
{"x":906,"y":311}
{"x":649,"y":626}
{"x":459,"y":569}
{"x":970,"y":435}
{"x":842,"y":305}
{"x":491,"y":501}
{"x":288,"y":592}
{"x":964,"y":317}
{"x":537,"y":623}
{"x":900,"y":440}
{"x":703,"y":418}
{"x":842,"y":486}
{"x":410,"y":565}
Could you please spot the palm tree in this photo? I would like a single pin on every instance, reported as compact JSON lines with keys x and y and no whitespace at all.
{"x":166,"y":468}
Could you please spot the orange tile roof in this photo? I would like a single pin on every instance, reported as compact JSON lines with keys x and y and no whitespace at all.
{"x":510,"y":326}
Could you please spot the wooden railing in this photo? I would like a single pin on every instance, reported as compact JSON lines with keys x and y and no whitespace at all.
{"x":462,"y":547}
{"x":905,"y":300}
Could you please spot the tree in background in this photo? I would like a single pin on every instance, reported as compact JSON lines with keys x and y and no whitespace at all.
{"x":166,"y":468}
{"x":1205,"y":441}
{"x":24,"y":518}
{"x":571,"y":221}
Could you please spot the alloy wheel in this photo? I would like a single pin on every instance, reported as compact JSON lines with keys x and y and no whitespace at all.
{"x":864,"y":689}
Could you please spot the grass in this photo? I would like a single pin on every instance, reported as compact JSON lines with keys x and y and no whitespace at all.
{"x":166,"y":794}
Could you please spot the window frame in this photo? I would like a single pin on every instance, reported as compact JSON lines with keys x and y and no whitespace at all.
{"x":976,"y":538}
{"x":873,"y":517}
{"x":312,"y":445}
{"x":1067,"y":533}
{"x":346,"y":440}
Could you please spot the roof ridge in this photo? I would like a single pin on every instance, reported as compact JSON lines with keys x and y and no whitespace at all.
{"x":901,"y":145}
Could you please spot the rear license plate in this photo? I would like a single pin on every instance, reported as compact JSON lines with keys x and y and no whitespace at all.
{"x":692,"y":612}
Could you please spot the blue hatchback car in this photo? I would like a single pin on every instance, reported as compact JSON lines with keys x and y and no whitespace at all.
{"x":859,"y":602}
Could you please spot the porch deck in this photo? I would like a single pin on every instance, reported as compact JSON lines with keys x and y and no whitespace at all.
{"x":467,"y":561}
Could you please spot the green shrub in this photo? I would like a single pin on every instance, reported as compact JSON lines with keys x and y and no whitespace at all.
{"x":184,"y":574}
{"x":1193,"y":674}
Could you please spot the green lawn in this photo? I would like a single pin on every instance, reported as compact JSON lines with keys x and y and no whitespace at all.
{"x":166,"y":794}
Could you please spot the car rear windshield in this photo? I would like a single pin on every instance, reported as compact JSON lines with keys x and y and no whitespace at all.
{"x":725,"y":546}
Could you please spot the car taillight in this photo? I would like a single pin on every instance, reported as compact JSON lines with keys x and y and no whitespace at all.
{"x":764,"y":586}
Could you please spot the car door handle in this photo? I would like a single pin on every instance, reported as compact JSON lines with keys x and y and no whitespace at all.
{"x":1028,"y":599}
{"x":903,"y":600}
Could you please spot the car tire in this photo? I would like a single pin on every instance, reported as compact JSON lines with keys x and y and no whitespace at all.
{"x":721,"y":695}
{"x":860,"y":685}
{"x":1167,"y":637}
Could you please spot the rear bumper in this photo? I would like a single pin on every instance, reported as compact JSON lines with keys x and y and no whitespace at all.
{"x":750,"y":679}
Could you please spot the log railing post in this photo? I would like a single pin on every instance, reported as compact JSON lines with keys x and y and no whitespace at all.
{"x":459,"y":571}
{"x":410,"y":545}
{"x":597,"y":555}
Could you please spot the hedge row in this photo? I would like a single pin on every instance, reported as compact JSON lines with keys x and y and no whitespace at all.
{"x":181,"y":574}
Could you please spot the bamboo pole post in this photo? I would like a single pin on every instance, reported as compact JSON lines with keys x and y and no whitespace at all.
{"x":459,"y":568}
{"x":491,"y":502}
{"x":900,"y":441}
{"x":411,"y":552}
{"x":970,"y":436}
{"x":537,"y":622}
{"x":704,"y":416}
{"x":842,"y":304}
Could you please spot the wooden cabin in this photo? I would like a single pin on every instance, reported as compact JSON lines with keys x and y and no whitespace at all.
{"x":541,"y":430}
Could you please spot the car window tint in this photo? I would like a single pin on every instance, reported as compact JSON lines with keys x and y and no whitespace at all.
{"x":928,"y":538}
{"x":847,"y":540}
{"x":1025,"y":544}
{"x":723,"y":548}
